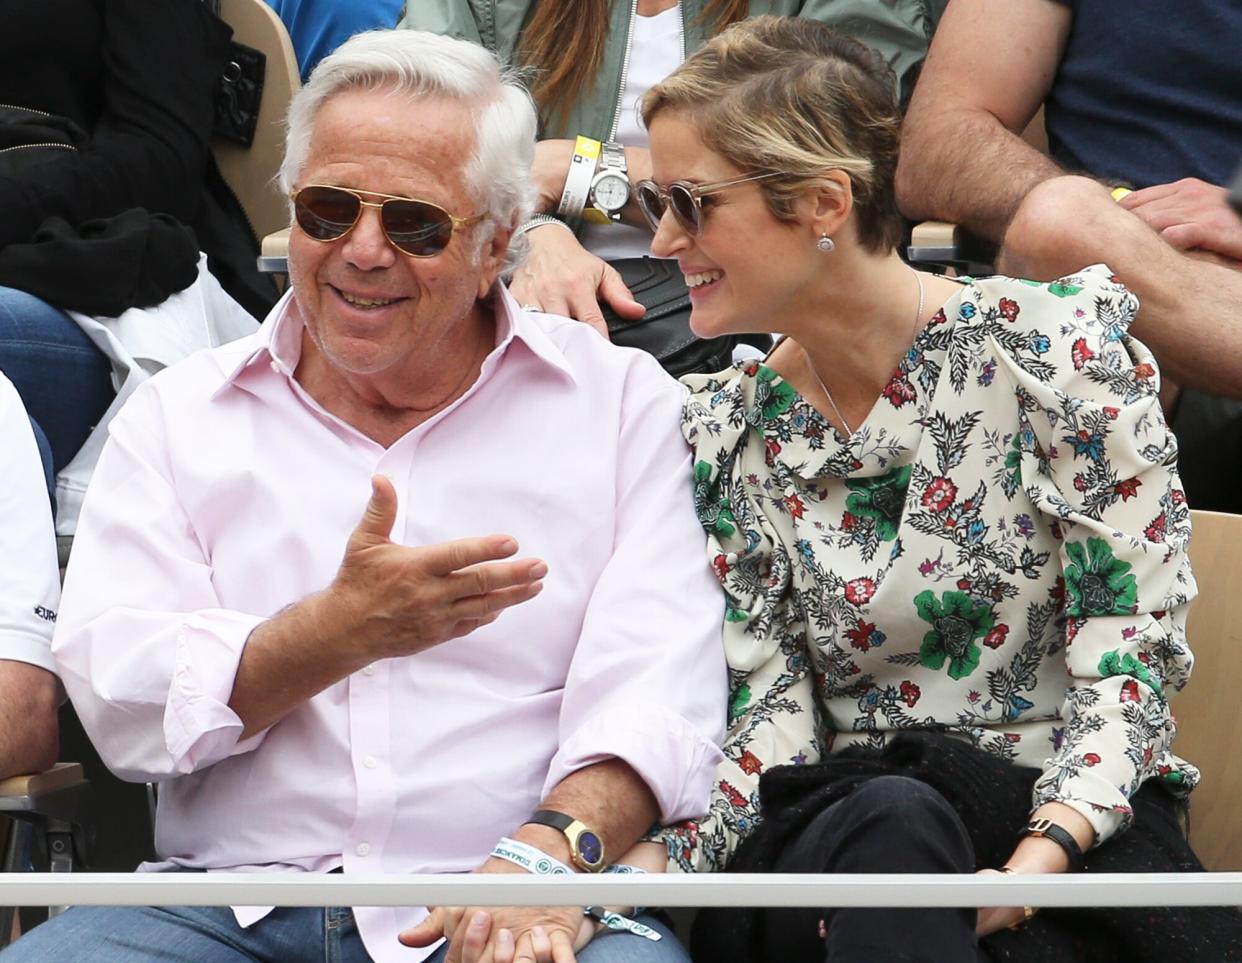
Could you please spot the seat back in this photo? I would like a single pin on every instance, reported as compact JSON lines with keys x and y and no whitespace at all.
{"x":1209,"y":711}
{"x":251,"y":171}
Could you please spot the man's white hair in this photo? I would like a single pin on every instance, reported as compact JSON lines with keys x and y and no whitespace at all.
{"x":419,"y":64}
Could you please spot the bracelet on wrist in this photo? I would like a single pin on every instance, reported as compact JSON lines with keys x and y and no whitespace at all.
{"x":529,"y":858}
{"x":1047,"y":829}
{"x":538,"y":221}
{"x":578,"y":180}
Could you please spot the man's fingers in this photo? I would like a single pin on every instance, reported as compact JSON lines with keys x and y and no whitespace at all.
{"x":450,"y":557}
{"x":473,"y":940}
{"x":562,"y":948}
{"x":1147,"y":195}
{"x":426,"y":932}
{"x":487,"y":607}
{"x":1184,"y":236}
{"x":381,"y":512}
{"x":504,"y":947}
{"x":495,"y":576}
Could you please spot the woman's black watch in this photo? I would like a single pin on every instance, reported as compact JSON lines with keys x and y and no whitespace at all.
{"x":1062,"y":837}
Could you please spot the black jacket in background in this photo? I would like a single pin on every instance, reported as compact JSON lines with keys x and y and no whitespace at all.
{"x":139,"y":76}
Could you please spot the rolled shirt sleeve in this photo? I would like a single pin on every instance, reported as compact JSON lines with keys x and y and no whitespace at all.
{"x":647,"y":683}
{"x":1098,"y":457}
{"x":145,"y":650}
{"x":29,"y":578}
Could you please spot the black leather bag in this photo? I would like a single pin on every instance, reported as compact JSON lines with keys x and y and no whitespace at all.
{"x":239,"y":94}
{"x":664,"y":331}
{"x":29,"y":138}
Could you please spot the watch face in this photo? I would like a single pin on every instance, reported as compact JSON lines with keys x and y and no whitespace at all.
{"x":590,"y":848}
{"x":611,"y":192}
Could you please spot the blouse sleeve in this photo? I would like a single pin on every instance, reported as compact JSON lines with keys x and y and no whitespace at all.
{"x":1098,"y":457}
{"x":772,"y":716}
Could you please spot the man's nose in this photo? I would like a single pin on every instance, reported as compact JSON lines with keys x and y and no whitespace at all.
{"x":366,"y":247}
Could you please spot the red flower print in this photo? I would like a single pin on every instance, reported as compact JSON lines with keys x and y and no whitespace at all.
{"x":736,"y":799}
{"x":1012,"y":737}
{"x":1178,"y":496}
{"x":1080,"y":354}
{"x":752,"y":369}
{"x":1080,"y":482}
{"x":1156,"y":530}
{"x":972,"y":696}
{"x":898,"y":391}
{"x":1143,"y":370}
{"x":939,"y":495}
{"x":848,"y":521}
{"x":749,"y":763}
{"x":937,"y":318}
{"x":859,"y":591}
{"x":963,"y":584}
{"x":910,"y":693}
{"x":1127,"y":489}
{"x":721,"y":564}
{"x":1091,"y":759}
{"x":1009,"y":309}
{"x":1111,"y":413}
{"x":793,"y":505}
{"x":1057,"y":591}
{"x":996,"y":638}
{"x":860,"y":635}
{"x":1129,"y":691}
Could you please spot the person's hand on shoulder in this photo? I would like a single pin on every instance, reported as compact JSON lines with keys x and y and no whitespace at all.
{"x":1191,"y":215}
{"x":560,"y":276}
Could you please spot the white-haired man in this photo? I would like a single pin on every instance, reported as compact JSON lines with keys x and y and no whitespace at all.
{"x":410,"y":705}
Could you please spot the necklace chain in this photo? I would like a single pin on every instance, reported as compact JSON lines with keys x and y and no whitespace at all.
{"x":918,"y":314}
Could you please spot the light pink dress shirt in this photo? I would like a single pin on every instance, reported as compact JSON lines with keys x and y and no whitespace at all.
{"x":226,"y":492}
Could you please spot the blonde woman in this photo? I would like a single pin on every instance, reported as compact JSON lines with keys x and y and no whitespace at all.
{"x":947,"y":518}
{"x":591,"y":61}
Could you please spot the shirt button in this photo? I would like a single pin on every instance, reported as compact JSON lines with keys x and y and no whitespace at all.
{"x":362,"y":849}
{"x":369,"y":670}
{"x":370,"y":762}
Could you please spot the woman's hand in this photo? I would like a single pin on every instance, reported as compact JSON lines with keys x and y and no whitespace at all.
{"x":993,"y":918}
{"x":561,"y":277}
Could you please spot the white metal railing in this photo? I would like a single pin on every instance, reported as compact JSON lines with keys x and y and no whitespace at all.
{"x":314,"y":889}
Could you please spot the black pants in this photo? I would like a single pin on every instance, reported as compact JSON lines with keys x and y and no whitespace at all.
{"x":891,"y":824}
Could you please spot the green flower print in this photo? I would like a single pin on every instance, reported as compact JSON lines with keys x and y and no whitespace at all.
{"x":1096,"y":583}
{"x":772,"y":400}
{"x":881,"y":499}
{"x":1114,"y":663}
{"x":1063,"y":290}
{"x":741,"y":699}
{"x":957,"y":623}
{"x":715,"y":514}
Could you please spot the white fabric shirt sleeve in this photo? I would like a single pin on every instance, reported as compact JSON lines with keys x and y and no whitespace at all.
{"x":29,"y":575}
{"x":648,"y":681}
{"x":146,"y":653}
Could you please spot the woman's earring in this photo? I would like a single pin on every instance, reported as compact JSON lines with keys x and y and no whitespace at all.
{"x":825,"y":243}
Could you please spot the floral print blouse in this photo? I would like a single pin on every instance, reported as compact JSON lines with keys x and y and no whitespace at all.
{"x":998,"y":552}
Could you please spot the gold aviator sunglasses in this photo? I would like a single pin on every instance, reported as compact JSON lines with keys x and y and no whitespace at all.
{"x":413,"y":227}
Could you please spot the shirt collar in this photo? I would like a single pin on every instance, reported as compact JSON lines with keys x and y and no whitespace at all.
{"x":277,"y":345}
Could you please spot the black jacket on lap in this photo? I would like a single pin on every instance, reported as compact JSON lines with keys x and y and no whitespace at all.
{"x":139,"y":77}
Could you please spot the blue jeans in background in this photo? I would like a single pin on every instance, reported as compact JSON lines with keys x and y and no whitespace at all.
{"x":210,"y":934}
{"x":63,"y":379}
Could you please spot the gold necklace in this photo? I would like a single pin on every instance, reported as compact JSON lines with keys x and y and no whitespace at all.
{"x":918,"y":314}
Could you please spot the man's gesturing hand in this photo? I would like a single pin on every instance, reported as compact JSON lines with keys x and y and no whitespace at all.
{"x":404,"y":600}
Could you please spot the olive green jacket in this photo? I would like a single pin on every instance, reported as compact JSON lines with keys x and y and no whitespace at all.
{"x":899,"y":30}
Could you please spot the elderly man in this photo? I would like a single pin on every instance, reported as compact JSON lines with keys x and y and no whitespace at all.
{"x":323,"y":683}
{"x":29,"y":597}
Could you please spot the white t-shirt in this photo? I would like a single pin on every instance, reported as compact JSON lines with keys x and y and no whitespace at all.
{"x":655,"y":52}
{"x":29,"y":573}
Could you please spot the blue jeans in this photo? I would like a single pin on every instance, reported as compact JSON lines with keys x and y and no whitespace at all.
{"x":63,"y":379}
{"x":210,"y":934}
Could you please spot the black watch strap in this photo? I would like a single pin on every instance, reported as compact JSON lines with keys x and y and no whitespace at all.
{"x":1062,"y":837}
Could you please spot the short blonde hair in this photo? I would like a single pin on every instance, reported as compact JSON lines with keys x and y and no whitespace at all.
{"x":792,"y":95}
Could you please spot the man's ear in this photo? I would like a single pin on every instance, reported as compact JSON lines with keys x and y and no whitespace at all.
{"x":828,"y":205}
{"x":492,"y":259}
